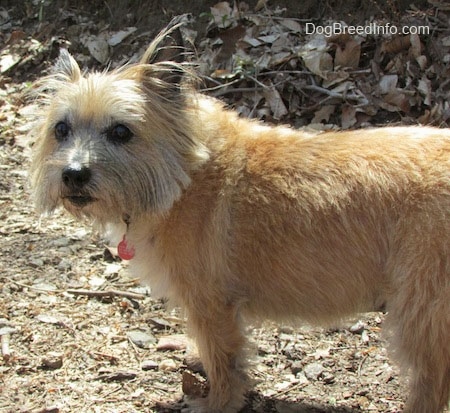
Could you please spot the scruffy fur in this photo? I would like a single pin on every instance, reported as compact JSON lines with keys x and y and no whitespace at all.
{"x":235,"y":220}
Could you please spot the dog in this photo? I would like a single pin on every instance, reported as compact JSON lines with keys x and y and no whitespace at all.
{"x":235,"y":220}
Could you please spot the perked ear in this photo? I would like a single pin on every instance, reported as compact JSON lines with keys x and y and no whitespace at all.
{"x":166,"y":53}
{"x":168,"y":44}
{"x":66,"y":67}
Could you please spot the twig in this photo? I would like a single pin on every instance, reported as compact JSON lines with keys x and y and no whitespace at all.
{"x":43,"y":290}
{"x":5,"y":347}
{"x":295,"y":386}
{"x":361,"y":364}
{"x":324,"y":91}
{"x":282,"y":18}
{"x":108,"y":293}
{"x":238,"y":90}
{"x":219,"y":85}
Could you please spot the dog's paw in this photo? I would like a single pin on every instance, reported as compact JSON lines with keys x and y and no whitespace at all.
{"x":203,"y":405}
{"x":198,"y":405}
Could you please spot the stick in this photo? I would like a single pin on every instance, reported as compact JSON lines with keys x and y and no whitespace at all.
{"x":5,"y":347}
{"x":107,"y":293}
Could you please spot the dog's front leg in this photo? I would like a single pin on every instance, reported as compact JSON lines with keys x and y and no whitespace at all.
{"x":217,"y":331}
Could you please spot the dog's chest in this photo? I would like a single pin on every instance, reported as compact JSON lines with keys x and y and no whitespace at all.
{"x":149,"y":266}
{"x":147,"y":261}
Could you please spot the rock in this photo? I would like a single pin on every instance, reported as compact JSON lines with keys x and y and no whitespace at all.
{"x":120,"y":375}
{"x":65,"y":265}
{"x":61,"y":242}
{"x":141,"y":339}
{"x":44,"y":286}
{"x":302,"y":379}
{"x":149,"y":365}
{"x":365,"y":337}
{"x":160,"y":323}
{"x":328,"y":378}
{"x":296,"y":367}
{"x":53,"y":360}
{"x":36,"y":262}
{"x":168,"y":365}
{"x":357,"y":328}
{"x":173,"y":342}
{"x":313,"y":371}
{"x":112,"y":268}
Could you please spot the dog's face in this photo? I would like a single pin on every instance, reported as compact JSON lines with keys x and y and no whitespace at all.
{"x":112,"y":145}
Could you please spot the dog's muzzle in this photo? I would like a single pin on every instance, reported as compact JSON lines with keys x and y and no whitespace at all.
{"x":75,"y":177}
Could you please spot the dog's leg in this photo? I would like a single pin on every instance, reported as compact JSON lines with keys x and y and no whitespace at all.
{"x":221,"y":345}
{"x":419,"y":313}
{"x":424,"y":346}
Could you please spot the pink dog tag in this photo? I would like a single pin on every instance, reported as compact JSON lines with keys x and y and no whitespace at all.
{"x":125,"y":251}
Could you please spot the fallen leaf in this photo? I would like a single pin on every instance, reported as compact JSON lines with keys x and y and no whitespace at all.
{"x":222,"y":14}
{"x":193,"y":386}
{"x":291,"y":25}
{"x":388,"y":83}
{"x":348,"y":118}
{"x":424,"y":87}
{"x":277,"y":106}
{"x":120,"y":36}
{"x":348,"y":55}
{"x":323,"y":114}
{"x":99,"y":49}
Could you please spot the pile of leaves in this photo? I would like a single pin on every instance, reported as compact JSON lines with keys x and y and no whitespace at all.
{"x":277,"y":71}
{"x":274,"y":67}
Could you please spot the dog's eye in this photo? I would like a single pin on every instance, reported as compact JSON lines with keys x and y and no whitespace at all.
{"x":61,"y":131}
{"x":119,"y":134}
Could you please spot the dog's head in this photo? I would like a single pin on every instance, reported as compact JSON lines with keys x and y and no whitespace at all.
{"x":115,"y":144}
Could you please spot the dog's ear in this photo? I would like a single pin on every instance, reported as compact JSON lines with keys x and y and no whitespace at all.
{"x":168,"y":44}
{"x":66,"y":67}
{"x":166,"y":53}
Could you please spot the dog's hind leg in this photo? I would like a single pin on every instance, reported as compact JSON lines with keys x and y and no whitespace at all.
{"x":419,"y":308}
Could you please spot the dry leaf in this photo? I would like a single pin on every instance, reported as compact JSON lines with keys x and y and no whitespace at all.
{"x":120,"y":36}
{"x":193,"y":386}
{"x":323,"y":114}
{"x":348,"y":116}
{"x":424,"y":88}
{"x":348,"y":55}
{"x":222,"y":14}
{"x":315,"y":56}
{"x":395,"y":101}
{"x":291,"y":25}
{"x":8,"y":61}
{"x":388,"y":83}
{"x":275,"y":102}
{"x":98,"y":48}
{"x":396,"y":45}
{"x":318,"y":62}
{"x":260,"y":5}
{"x":416,"y":45}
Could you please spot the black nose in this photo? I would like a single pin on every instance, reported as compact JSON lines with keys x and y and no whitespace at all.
{"x":76,"y":176}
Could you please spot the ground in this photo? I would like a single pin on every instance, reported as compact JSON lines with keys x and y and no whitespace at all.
{"x":79,"y":335}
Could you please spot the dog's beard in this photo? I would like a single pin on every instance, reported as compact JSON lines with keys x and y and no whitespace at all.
{"x":111,"y":194}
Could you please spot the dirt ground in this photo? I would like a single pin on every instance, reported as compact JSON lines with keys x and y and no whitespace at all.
{"x":77,"y":334}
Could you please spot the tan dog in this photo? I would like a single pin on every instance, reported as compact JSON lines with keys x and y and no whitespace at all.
{"x":234,"y":219}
